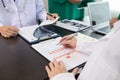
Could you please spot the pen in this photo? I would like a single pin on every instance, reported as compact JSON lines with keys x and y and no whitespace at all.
{"x":51,"y":15}
{"x":70,"y":37}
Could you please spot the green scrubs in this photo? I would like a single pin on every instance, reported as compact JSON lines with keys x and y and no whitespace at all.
{"x":119,"y":17}
{"x":67,"y":10}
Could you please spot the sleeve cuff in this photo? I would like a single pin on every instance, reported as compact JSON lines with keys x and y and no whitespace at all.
{"x":1,"y":24}
{"x":43,"y":16}
{"x":64,"y":76}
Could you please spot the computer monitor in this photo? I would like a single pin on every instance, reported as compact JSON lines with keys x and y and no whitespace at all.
{"x":99,"y":12}
{"x":99,"y":15}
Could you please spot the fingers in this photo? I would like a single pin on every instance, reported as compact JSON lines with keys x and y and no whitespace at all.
{"x":11,"y":32}
{"x":112,"y":21}
{"x":75,"y":71}
{"x":59,"y":66}
{"x":48,"y":71}
{"x":51,"y":66}
{"x":56,"y":64}
{"x":8,"y":31}
{"x":55,"y":15}
{"x":55,"y":68}
{"x":66,"y":42}
{"x":13,"y":29}
{"x":62,"y":66}
{"x":52,"y":16}
{"x":63,"y":38}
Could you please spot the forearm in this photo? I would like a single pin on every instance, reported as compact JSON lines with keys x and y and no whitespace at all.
{"x":40,"y":10}
{"x":64,"y":76}
{"x":75,"y":1}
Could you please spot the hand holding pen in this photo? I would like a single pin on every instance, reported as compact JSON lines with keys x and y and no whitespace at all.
{"x":52,"y":16}
{"x":69,"y":41}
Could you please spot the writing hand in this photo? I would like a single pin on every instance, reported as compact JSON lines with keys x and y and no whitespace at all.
{"x":68,"y":42}
{"x":52,"y":16}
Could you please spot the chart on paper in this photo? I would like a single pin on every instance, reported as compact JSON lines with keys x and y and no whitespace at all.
{"x":51,"y":50}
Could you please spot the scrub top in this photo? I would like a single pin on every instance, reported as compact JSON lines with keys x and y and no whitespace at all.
{"x":67,"y":10}
{"x":119,"y":17}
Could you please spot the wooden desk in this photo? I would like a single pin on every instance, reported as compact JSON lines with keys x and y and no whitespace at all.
{"x":18,"y":61}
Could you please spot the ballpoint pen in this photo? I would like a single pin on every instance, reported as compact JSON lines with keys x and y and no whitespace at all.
{"x":70,"y":37}
{"x":51,"y":15}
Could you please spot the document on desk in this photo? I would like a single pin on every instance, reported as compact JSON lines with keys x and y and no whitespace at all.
{"x":73,"y":25}
{"x":48,"y":22}
{"x":51,"y":50}
{"x":27,"y":32}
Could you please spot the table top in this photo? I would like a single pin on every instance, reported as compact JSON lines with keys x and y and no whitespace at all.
{"x":18,"y":61}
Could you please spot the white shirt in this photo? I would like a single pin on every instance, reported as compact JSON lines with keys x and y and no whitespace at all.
{"x":103,"y":63}
{"x":21,"y":12}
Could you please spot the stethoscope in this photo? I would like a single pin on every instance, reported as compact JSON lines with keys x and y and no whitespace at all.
{"x":3,"y":3}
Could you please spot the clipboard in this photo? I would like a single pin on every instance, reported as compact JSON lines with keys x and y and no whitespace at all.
{"x":36,"y":33}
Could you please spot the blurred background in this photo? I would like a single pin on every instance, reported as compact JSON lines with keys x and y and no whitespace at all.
{"x":114,"y":7}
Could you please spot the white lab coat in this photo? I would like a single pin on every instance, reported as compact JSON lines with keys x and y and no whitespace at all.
{"x":103,"y":63}
{"x":21,"y":12}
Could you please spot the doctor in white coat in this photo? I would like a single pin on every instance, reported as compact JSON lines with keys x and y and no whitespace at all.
{"x":19,"y":13}
{"x":103,"y":64}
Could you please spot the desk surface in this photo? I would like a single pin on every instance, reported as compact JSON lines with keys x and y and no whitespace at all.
{"x":18,"y":61}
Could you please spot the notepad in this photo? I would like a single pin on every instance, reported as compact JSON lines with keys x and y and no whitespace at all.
{"x":70,"y":57}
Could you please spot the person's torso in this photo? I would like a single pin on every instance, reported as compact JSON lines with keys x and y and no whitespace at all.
{"x":65,"y":9}
{"x":104,"y":64}
{"x":19,"y":13}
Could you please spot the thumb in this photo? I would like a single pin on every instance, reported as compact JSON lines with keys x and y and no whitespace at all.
{"x":75,"y":71}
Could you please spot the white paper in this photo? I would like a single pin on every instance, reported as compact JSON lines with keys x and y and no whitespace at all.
{"x":50,"y":50}
{"x":47,"y":22}
{"x":85,"y":38}
{"x":27,"y":33}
